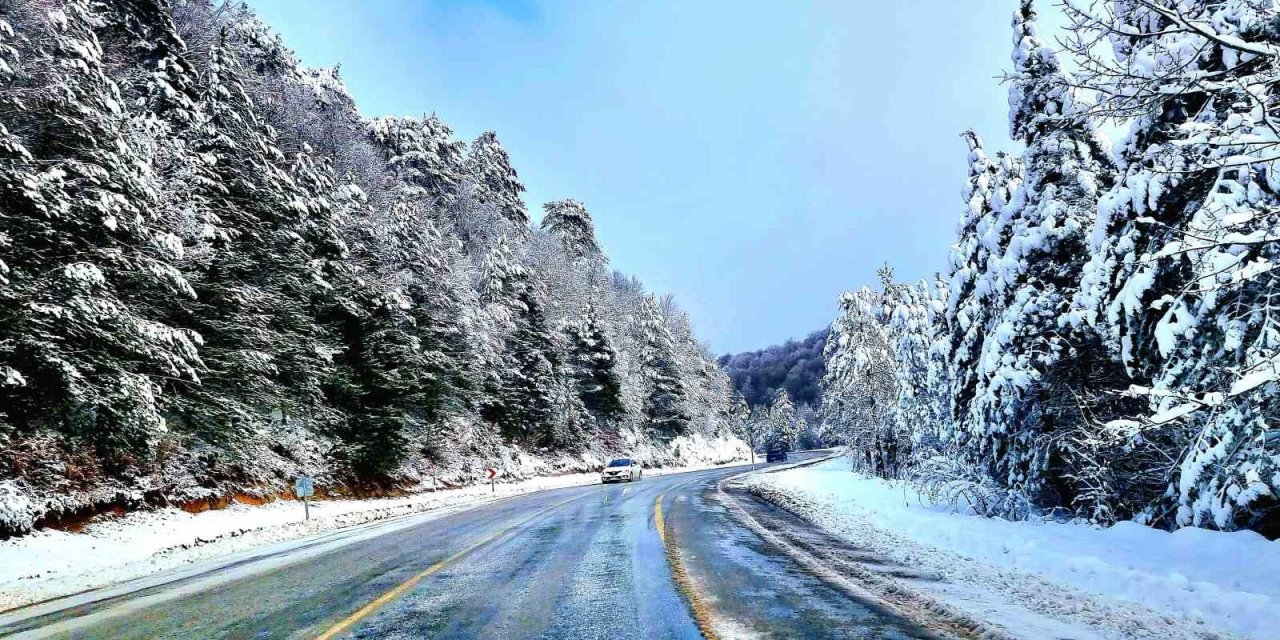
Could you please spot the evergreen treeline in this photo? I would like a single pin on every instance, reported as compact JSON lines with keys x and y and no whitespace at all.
{"x":215,"y":274}
{"x":1105,"y":341}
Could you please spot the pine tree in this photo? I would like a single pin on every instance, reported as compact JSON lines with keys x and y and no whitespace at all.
{"x":143,"y":35}
{"x":497,"y":184}
{"x":914,"y":316}
{"x":756,"y":429}
{"x":859,"y":389}
{"x":984,"y":234}
{"x":82,"y":253}
{"x":570,"y":221}
{"x":423,"y":153}
{"x":784,"y":424}
{"x":257,"y":262}
{"x":738,"y":419}
{"x":529,"y":384}
{"x":1183,"y":247}
{"x":590,"y":364}
{"x":1018,"y":414}
{"x":521,"y":391}
{"x":665,"y":415}
{"x":400,"y":370}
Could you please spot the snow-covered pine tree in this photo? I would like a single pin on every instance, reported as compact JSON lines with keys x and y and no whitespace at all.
{"x":257,"y":261}
{"x":1034,"y":366}
{"x":402,"y":364}
{"x":755,"y":428}
{"x":742,"y":422}
{"x":81,"y":250}
{"x":710,"y":401}
{"x":422,"y":152}
{"x":590,"y":363}
{"x":784,"y":425}
{"x":914,"y":315}
{"x":706,"y":385}
{"x":520,"y":391}
{"x":860,"y":396}
{"x":1185,"y":246}
{"x":570,"y":221}
{"x":529,"y":386}
{"x":496,"y":184}
{"x":571,"y":283}
{"x":665,"y":415}
{"x":150,"y":57}
{"x":972,"y":305}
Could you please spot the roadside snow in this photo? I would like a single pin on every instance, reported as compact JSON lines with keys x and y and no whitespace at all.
{"x":1126,"y":580}
{"x":50,"y":563}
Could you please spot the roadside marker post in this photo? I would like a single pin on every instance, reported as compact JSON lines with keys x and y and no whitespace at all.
{"x":305,"y":487}
{"x":491,"y":474}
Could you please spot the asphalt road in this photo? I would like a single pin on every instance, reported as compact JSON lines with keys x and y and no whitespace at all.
{"x":581,"y":563}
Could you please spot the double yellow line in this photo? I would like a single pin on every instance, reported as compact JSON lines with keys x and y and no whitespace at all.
{"x":697,"y":606}
{"x":400,"y":589}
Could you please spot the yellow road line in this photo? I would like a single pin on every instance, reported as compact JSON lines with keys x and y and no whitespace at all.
{"x":382,"y":600}
{"x":697,"y":606}
{"x":657,"y":519}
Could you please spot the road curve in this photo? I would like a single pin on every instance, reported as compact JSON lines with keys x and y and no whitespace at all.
{"x":580,"y":563}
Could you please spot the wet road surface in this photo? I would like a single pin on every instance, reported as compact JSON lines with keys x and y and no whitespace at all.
{"x":580,"y":563}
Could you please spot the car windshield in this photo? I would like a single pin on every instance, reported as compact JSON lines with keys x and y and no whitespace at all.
{"x":621,"y":462}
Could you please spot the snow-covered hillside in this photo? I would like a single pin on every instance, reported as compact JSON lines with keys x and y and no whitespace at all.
{"x":216,"y":275}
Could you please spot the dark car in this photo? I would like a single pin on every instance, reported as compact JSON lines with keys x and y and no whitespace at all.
{"x":776,"y":455}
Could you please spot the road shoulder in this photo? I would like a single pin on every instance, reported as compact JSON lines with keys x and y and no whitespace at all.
{"x":1005,"y":601}
{"x":747,"y":587}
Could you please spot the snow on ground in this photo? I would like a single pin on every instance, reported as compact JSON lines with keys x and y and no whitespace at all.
{"x":50,"y":563}
{"x":1126,"y":580}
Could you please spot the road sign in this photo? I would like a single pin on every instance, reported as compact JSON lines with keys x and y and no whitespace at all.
{"x":304,"y":486}
{"x":490,"y":473}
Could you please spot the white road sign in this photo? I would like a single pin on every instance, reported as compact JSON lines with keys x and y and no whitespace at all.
{"x":304,"y":486}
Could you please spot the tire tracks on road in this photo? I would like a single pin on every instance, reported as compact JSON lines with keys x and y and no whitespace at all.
{"x":364,"y":612}
{"x":853,"y":580}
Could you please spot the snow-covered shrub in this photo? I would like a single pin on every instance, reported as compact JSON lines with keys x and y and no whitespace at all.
{"x":948,"y":480}
{"x":17,"y":513}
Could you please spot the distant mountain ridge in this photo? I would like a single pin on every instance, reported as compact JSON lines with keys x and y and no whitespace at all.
{"x":796,"y":365}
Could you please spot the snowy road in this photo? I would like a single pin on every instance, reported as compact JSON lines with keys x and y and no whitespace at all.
{"x":584,"y":562}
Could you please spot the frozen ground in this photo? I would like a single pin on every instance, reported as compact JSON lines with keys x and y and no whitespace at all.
{"x":1122,"y":581}
{"x":49,"y":563}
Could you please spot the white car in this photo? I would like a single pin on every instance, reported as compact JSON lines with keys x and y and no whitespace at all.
{"x":621,"y":470}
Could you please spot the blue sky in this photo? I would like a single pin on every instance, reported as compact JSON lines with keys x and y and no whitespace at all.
{"x":754,"y":159}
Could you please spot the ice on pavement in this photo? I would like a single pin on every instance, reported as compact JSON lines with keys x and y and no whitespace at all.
{"x":1186,"y":583}
{"x":112,"y":549}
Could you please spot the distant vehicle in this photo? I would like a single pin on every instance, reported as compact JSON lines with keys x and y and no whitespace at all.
{"x":776,"y":454}
{"x":621,"y":470}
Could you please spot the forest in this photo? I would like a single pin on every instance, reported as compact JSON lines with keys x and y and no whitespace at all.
{"x":216,"y":274}
{"x":796,"y":365}
{"x":1104,"y":343}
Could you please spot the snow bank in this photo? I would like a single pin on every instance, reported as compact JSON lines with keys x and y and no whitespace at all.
{"x":111,"y":549}
{"x":1225,"y":581}
{"x":698,"y":450}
